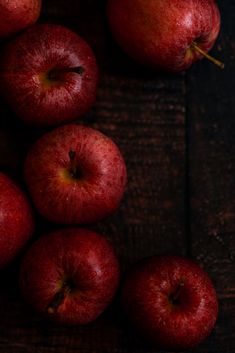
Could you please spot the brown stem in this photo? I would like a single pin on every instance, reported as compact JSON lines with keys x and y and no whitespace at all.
{"x":175,"y":296}
{"x":58,"y":299}
{"x":55,"y":73}
{"x":206,"y":55}
{"x":73,"y":167}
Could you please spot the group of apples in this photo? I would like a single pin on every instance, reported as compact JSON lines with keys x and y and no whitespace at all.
{"x":76,"y":175}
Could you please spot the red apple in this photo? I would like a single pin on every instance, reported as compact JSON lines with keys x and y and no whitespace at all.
{"x":15,"y":15}
{"x":48,"y":75}
{"x":75,"y":174}
{"x":70,"y":276}
{"x":16,"y":220}
{"x":165,"y":34}
{"x":171,"y":300}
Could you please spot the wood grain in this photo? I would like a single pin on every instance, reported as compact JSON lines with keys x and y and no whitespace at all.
{"x":211,"y":151}
{"x":212,"y":156}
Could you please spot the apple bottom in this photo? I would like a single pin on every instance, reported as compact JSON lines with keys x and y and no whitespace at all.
{"x":171,"y":301}
{"x":70,"y":276}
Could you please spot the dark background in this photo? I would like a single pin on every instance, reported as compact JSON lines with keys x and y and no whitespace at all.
{"x":177,"y":134}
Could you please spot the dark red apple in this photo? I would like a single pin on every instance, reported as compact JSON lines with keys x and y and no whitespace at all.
{"x":16,"y":220}
{"x":171,"y":301}
{"x":75,"y":174}
{"x":70,"y":276}
{"x":165,"y":34}
{"x":15,"y":15}
{"x":48,"y":75}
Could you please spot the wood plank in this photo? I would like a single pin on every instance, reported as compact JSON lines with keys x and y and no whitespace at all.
{"x":211,"y":138}
{"x":212,"y":155}
{"x":144,"y":114}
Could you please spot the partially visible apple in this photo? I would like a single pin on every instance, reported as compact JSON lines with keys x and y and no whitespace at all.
{"x":16,"y":220}
{"x":165,"y":34}
{"x":70,"y":276}
{"x":171,"y":301}
{"x":75,"y":174}
{"x":48,"y":75}
{"x":15,"y":15}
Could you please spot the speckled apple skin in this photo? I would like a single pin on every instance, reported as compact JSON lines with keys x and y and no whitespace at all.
{"x":145,"y":298}
{"x":59,"y":197}
{"x":159,"y":33}
{"x":16,"y":15}
{"x":16,"y":220}
{"x":82,"y":256}
{"x":26,"y":62}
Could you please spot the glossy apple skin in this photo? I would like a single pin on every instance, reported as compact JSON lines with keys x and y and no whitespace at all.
{"x":16,"y":220}
{"x":80,"y":257}
{"x":147,"y":300}
{"x":16,"y":15}
{"x":62,"y":198}
{"x":26,"y":83}
{"x":159,"y":33}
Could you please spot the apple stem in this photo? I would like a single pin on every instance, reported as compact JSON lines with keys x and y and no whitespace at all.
{"x":206,"y":55}
{"x":176,"y":295}
{"x":54,"y":73}
{"x":73,"y":169}
{"x":58,"y":299}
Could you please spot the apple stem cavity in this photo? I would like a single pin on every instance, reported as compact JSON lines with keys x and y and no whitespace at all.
{"x":58,"y":299}
{"x":175,"y":296}
{"x":55,"y":74}
{"x":73,"y":166}
{"x":207,"y":56}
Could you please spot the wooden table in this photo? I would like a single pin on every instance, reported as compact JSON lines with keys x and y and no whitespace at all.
{"x":177,"y":134}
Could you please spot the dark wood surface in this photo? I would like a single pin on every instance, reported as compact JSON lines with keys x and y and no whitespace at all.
{"x":177,"y":134}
